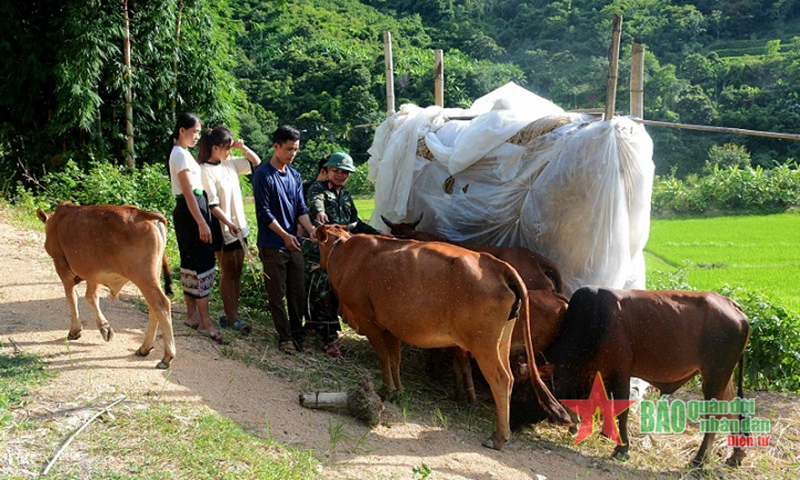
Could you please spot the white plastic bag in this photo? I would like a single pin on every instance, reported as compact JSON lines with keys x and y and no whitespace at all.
{"x":579,"y":194}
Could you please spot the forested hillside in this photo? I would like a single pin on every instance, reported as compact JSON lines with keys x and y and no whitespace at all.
{"x":318,"y":64}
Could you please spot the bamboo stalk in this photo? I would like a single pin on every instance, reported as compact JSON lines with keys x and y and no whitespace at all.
{"x":438,"y":82}
{"x":75,"y":434}
{"x":175,"y":59}
{"x":389,"y":72}
{"x":637,"y":80}
{"x":126,"y":43}
{"x":613,"y":67}
{"x":706,"y":128}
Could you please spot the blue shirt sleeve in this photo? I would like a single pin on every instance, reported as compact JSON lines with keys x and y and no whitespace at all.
{"x":264,"y":215}
{"x":301,"y":200}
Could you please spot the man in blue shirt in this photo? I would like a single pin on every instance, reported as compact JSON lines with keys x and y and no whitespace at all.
{"x":280,"y":206}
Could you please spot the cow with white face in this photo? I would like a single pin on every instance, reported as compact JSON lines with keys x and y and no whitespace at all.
{"x":112,"y":245}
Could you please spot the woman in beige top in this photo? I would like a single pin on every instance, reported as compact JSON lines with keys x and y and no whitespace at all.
{"x":220,"y":175}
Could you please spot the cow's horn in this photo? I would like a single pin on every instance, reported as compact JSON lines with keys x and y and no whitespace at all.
{"x":416,"y":222}
{"x":387,"y":222}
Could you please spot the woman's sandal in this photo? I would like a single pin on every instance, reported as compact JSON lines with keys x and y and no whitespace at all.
{"x":217,"y":337}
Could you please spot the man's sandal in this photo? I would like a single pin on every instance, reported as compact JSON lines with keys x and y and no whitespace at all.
{"x":239,"y":325}
{"x":333,"y":350}
{"x":287,"y":347}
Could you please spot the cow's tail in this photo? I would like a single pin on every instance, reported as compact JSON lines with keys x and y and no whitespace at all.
{"x":167,"y":275}
{"x":740,"y":385}
{"x":161,"y":226}
{"x":554,"y":410}
{"x":148,"y":215}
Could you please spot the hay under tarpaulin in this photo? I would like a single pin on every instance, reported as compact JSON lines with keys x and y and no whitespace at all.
{"x":517,"y":170}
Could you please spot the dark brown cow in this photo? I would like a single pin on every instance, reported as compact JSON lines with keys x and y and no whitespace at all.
{"x":111,"y":245}
{"x":538,"y":272}
{"x":431,"y":295}
{"x":663,"y":337}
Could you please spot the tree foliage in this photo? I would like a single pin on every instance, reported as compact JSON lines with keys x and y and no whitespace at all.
{"x":318,"y":65}
{"x":61,"y":90}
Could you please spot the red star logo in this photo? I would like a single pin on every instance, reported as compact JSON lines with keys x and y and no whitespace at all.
{"x":597,"y":404}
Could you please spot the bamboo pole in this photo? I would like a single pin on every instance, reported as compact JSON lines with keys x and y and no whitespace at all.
{"x":613,"y":67}
{"x":389,"y":72}
{"x":126,"y":43}
{"x":637,"y":80}
{"x":706,"y":128}
{"x":173,"y":101}
{"x":438,"y":82}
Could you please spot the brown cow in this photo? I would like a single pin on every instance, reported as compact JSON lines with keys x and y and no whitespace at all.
{"x":431,"y":295}
{"x":663,"y":337}
{"x":111,"y":245}
{"x":538,"y":272}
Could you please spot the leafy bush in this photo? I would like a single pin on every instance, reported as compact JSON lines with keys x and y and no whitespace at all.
{"x":729,"y":190}
{"x":772,"y":358}
{"x":728,"y":155}
{"x":147,"y":187}
{"x":358,"y":184}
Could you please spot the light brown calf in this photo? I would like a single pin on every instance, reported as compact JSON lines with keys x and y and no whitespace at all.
{"x":111,"y":245}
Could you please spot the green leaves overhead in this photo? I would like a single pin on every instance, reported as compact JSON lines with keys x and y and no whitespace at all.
{"x":61,"y":88}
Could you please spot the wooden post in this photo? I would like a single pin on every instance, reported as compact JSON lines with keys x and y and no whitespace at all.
{"x":126,"y":46}
{"x":613,"y":67}
{"x":637,"y":80}
{"x":389,"y":71}
{"x":438,"y":82}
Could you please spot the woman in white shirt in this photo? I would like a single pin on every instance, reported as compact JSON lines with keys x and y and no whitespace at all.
{"x":220,"y":174}
{"x":192,"y":222}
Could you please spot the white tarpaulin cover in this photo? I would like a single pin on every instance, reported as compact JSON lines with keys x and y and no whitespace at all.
{"x":522,"y":173}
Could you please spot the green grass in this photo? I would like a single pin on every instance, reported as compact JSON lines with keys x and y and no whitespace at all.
{"x":365,"y":207}
{"x":192,"y":443}
{"x":18,"y":373}
{"x":761,"y":252}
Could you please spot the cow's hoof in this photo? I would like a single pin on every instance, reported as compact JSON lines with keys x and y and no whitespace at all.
{"x":74,"y":335}
{"x":696,"y":463}
{"x":107,"y":333}
{"x":734,"y":460}
{"x":573,"y":429}
{"x":622,"y":455}
{"x":162,"y":365}
{"x":489,"y":443}
{"x":143,"y":352}
{"x":384,"y":392}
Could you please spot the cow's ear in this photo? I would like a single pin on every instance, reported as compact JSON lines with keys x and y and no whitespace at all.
{"x":321,"y":234}
{"x":42,"y":216}
{"x":546,"y":371}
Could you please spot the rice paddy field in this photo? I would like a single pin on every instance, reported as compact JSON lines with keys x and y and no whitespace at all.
{"x":753,"y":251}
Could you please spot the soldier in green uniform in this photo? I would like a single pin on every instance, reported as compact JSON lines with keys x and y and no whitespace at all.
{"x":329,"y":202}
